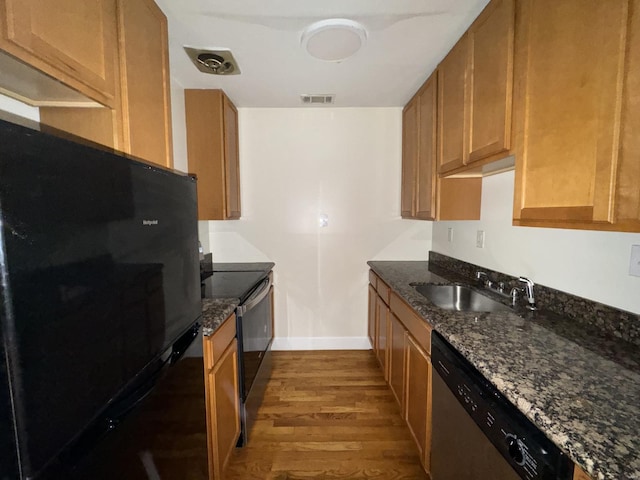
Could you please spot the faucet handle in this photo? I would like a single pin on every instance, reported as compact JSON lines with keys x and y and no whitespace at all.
{"x":483,"y":275}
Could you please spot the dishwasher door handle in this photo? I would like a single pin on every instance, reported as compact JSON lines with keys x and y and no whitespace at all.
{"x":257,"y":296}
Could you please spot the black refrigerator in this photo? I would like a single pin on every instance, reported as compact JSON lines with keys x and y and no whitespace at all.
{"x":99,"y":294}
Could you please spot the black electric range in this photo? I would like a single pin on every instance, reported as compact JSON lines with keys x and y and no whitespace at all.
{"x":252,"y":285}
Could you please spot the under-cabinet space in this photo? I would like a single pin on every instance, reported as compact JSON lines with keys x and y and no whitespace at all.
{"x":212,"y":145}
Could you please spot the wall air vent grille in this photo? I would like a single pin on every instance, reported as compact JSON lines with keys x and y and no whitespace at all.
{"x":318,"y":99}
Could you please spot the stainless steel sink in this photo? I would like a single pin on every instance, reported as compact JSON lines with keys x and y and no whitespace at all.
{"x":460,"y":298}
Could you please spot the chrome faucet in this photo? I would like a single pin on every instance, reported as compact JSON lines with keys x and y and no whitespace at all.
{"x":483,"y":275}
{"x":528,"y":289}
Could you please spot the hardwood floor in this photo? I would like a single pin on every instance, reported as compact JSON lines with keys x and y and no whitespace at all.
{"x":327,"y":415}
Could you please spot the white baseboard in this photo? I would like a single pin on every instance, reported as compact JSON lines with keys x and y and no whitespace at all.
{"x":321,"y":343}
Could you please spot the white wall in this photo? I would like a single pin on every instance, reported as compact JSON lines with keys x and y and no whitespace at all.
{"x":296,"y":164}
{"x":8,"y":104}
{"x":589,"y":264}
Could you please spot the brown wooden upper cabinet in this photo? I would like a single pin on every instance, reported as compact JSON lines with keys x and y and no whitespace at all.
{"x":452,"y":84}
{"x":73,"y":41}
{"x":424,"y":195}
{"x":410,"y":141}
{"x":577,"y":114}
{"x":145,"y":81}
{"x":212,"y":144}
{"x":475,"y":91}
{"x":113,"y":51}
{"x":490,"y":81}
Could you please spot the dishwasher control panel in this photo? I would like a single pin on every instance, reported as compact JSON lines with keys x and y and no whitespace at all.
{"x":531,"y":454}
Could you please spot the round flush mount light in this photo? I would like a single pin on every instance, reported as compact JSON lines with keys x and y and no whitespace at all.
{"x":333,"y":40}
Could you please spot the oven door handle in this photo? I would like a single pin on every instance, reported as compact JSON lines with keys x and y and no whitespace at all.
{"x":257,"y":296}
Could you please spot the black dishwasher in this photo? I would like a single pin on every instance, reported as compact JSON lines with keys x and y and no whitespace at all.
{"x":478,"y":434}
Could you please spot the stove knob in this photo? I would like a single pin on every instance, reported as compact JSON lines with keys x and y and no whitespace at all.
{"x":515,"y":449}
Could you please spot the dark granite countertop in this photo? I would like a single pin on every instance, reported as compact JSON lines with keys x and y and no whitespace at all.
{"x":215,"y":311}
{"x":580,"y":387}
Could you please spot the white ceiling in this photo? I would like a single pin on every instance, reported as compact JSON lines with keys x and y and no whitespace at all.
{"x":406,"y":40}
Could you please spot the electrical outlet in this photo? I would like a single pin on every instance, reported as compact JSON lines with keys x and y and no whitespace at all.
{"x":634,"y":263}
{"x":450,"y":235}
{"x":480,"y":239}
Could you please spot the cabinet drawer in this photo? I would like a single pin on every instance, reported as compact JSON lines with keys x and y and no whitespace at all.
{"x":373,"y":278}
{"x":383,"y":290}
{"x":216,"y":344}
{"x":416,"y":326}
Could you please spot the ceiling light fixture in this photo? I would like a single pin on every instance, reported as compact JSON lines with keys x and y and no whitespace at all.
{"x":333,"y":40}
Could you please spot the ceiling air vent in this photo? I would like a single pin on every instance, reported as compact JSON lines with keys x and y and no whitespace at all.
{"x":216,"y":62}
{"x":318,"y":99}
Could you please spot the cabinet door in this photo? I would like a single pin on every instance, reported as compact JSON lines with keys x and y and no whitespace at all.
{"x":491,"y":40}
{"x":70,"y":40}
{"x":382,"y":318}
{"x":452,"y":107}
{"x":225,"y":406}
{"x":410,"y":121}
{"x":426,"y":160}
{"x":373,"y":306}
{"x":579,"y":474}
{"x":628,"y":187}
{"x":232,"y":159}
{"x":570,"y":57}
{"x":418,"y":398}
{"x":144,"y":69}
{"x":212,"y":145}
{"x":397,"y":359}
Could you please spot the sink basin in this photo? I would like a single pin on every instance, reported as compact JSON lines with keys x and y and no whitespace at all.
{"x":459,"y":298}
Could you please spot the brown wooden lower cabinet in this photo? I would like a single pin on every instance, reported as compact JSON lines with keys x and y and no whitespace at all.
{"x":397,"y":348}
{"x":221,"y":395}
{"x":372,"y":317}
{"x":402,"y":345}
{"x":579,"y":474}
{"x":382,"y":317}
{"x":418,"y":398}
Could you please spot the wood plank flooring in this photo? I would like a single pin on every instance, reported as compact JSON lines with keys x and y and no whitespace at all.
{"x":327,"y":415}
